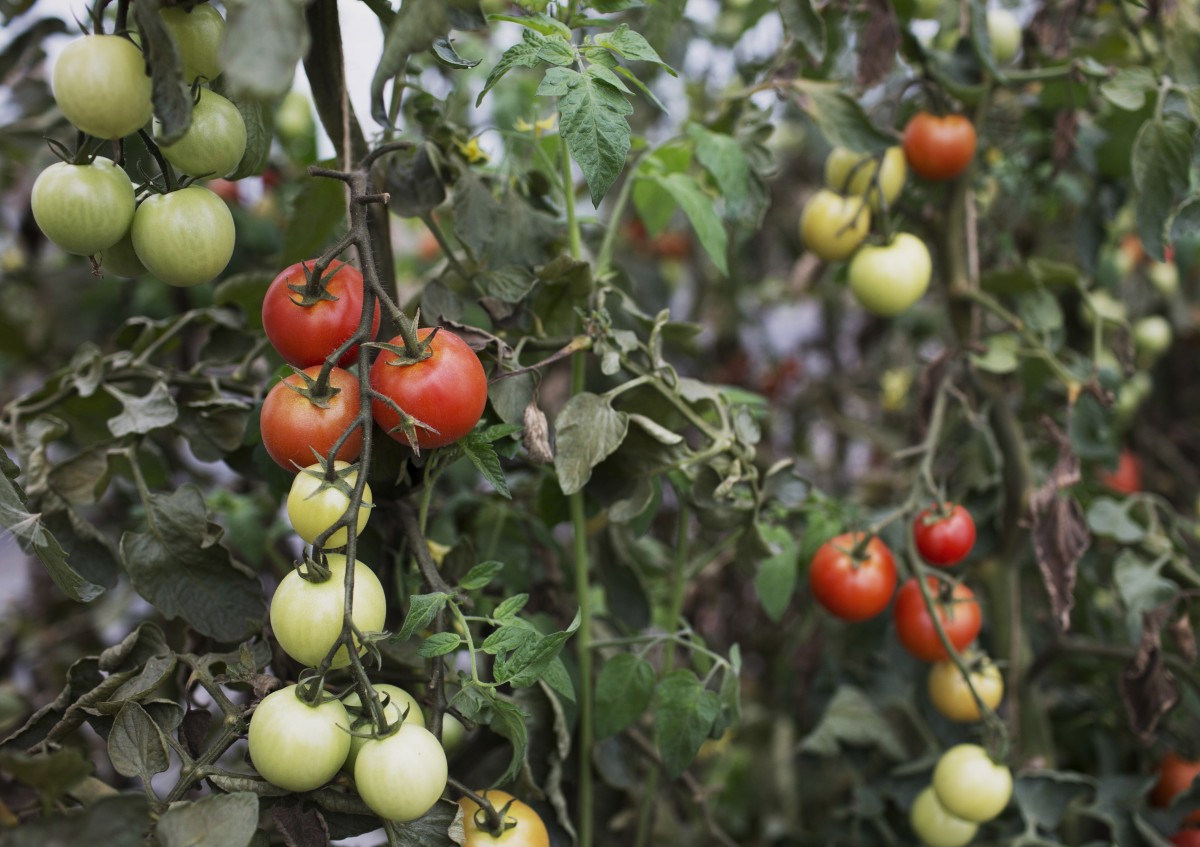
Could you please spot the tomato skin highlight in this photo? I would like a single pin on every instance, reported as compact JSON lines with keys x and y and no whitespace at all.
{"x":527,"y":827}
{"x":447,"y":391}
{"x":939,"y":148}
{"x":215,"y":142}
{"x":850,"y":590}
{"x":833,"y":226}
{"x":1175,"y":776}
{"x":297,"y":746}
{"x":313,"y":506}
{"x":889,"y":278}
{"x":960,"y":616}
{"x":951,"y":695}
{"x":198,"y":33}
{"x":399,"y":702}
{"x":401,"y":776}
{"x":306,"y":335}
{"x":936,"y":827}
{"x":944,"y":541}
{"x":969,"y":785}
{"x":101,"y":86}
{"x":83,"y":209}
{"x":293,"y":425}
{"x":184,"y":238}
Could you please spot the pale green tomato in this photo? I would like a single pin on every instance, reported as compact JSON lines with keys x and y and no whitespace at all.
{"x":184,"y":238}
{"x":1132,"y":394}
{"x":100,"y":84}
{"x":453,"y":733}
{"x":1165,"y":277}
{"x":314,"y":505}
{"x":1152,"y":335}
{"x":935,"y":826}
{"x":841,"y":163}
{"x":970,"y":785}
{"x":297,"y":746}
{"x":888,"y":279}
{"x":294,"y":118}
{"x":121,"y":259}
{"x":198,"y":34}
{"x":83,"y":208}
{"x":215,"y":142}
{"x":399,"y":702}
{"x":401,"y":776}
{"x":833,"y":226}
{"x":306,"y":617}
{"x":1004,"y":33}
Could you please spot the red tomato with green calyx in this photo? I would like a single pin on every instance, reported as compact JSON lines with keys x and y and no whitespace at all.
{"x":306,"y":329}
{"x":939,"y":147}
{"x":853,"y":584}
{"x":446,"y":391}
{"x":294,"y":423}
{"x":944,"y":536}
{"x":959,"y":613}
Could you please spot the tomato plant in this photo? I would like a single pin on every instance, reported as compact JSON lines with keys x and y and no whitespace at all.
{"x":958,"y":612}
{"x":304,"y":328}
{"x":298,"y":427}
{"x":314,"y":503}
{"x":834,"y":226}
{"x":83,"y":209}
{"x":889,"y":278}
{"x":101,"y":86}
{"x":521,"y":826}
{"x":445,"y":392}
{"x":401,"y":776}
{"x":198,"y":32}
{"x":944,"y":535}
{"x":184,"y":238}
{"x":852,"y":583}
{"x":307,"y":616}
{"x":935,"y":827}
{"x":939,"y":147}
{"x":970,"y":785}
{"x":400,"y":707}
{"x":951,"y":694}
{"x":295,"y":745}
{"x":214,"y":143}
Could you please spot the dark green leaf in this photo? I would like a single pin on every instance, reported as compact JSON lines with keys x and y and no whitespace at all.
{"x":1141,"y":587}
{"x":264,"y":41}
{"x":524,"y":54}
{"x":1040,"y":311}
{"x":246,"y":291}
{"x":483,"y":456}
{"x":50,"y":774}
{"x":1128,"y":89}
{"x":588,"y":431}
{"x":1091,"y":431}
{"x":592,"y":119}
{"x":317,"y":212}
{"x":510,"y":606}
{"x":683,"y":716}
{"x":525,"y":665}
{"x":701,"y":211}
{"x":422,"y":609}
{"x":841,"y":118}
{"x":777,"y":575}
{"x":415,"y":181}
{"x":1185,"y":223}
{"x":136,"y":745}
{"x":1044,"y":797}
{"x":82,"y":478}
{"x":508,"y":721}
{"x":480,"y":575}
{"x":219,"y":820}
{"x":853,"y":718}
{"x":117,"y":821}
{"x":143,"y":414}
{"x":179,"y":566}
{"x":631,"y":45}
{"x":1162,"y":157}
{"x":439,"y":644}
{"x":172,"y":101}
{"x":624,"y":690}
{"x":444,"y":52}
{"x":803,"y":23}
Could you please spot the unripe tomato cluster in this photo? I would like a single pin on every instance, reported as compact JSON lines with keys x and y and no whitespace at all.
{"x":89,"y":207}
{"x":968,"y":789}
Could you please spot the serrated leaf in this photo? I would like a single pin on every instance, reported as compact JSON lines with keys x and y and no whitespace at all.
{"x":633,"y":46}
{"x":702,"y":214}
{"x":803,"y":23}
{"x":509,"y":721}
{"x":259,"y":67}
{"x":439,"y":644}
{"x":852,"y":718}
{"x":524,"y":54}
{"x":624,"y":690}
{"x":683,"y":716}
{"x":557,"y":50}
{"x":483,"y":456}
{"x":524,"y":665}
{"x":592,"y":119}
{"x":541,"y":23}
{"x":1162,"y":156}
{"x":841,"y":118}
{"x":588,"y":431}
{"x":422,"y":609}
{"x":777,"y":575}
{"x":480,"y":575}
{"x":722,"y":156}
{"x":510,"y":606}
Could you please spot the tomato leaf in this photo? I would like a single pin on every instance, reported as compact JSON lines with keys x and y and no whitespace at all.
{"x":480,"y":575}
{"x":483,"y":456}
{"x":136,"y":745}
{"x":51,"y":774}
{"x":1110,"y":518}
{"x":143,"y":414}
{"x":806,"y":26}
{"x":841,"y":118}
{"x":422,"y":609}
{"x":524,"y":665}
{"x":588,"y":431}
{"x":683,"y":716}
{"x":510,"y":606}
{"x":852,"y":718}
{"x":219,"y":820}
{"x":114,"y":821}
{"x":1128,"y":88}
{"x":1162,"y":156}
{"x":593,"y":121}
{"x":262,"y":67}
{"x":701,"y":211}
{"x":439,"y":644}
{"x":633,"y":46}
{"x":317,"y":212}
{"x":524,"y":54}
{"x":172,"y":101}
{"x":624,"y":690}
{"x":777,"y":575}
{"x":1044,"y":797}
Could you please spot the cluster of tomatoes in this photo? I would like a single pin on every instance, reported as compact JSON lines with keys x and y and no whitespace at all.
{"x":890,"y":277}
{"x":89,"y":206}
{"x":853,"y":576}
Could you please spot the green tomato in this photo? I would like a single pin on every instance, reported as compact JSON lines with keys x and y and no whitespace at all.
{"x":845,"y":174}
{"x":1132,"y":394}
{"x":120,"y":259}
{"x":401,"y":776}
{"x":100,"y":84}
{"x":83,"y":208}
{"x":970,"y":785}
{"x":294,"y":118}
{"x":314,"y":505}
{"x":888,"y":279}
{"x":214,"y":143}
{"x":198,"y":33}
{"x":297,"y":746}
{"x":1152,"y":335}
{"x":184,"y":238}
{"x":935,"y":826}
{"x":399,"y":702}
{"x":1165,"y":277}
{"x":833,"y":226}
{"x":453,"y":733}
{"x":306,"y":617}
{"x":1004,"y":33}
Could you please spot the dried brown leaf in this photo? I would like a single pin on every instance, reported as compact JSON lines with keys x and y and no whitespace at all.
{"x":1059,"y":529}
{"x":1066,"y":128}
{"x":880,"y":40}
{"x":1184,"y":637}
{"x":536,"y":436}
{"x":1148,"y":689}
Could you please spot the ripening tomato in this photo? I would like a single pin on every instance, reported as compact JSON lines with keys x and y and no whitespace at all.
{"x":306,"y":330}
{"x":834,"y":226}
{"x":1126,"y":478}
{"x":935,"y":827}
{"x":944,"y":536}
{"x":951,"y":695}
{"x":101,"y":85}
{"x":314,"y":504}
{"x":853,"y":588}
{"x":969,"y":785}
{"x":293,"y":425}
{"x":399,"y":707}
{"x":1186,"y":838}
{"x":960,"y":616}
{"x":83,"y":208}
{"x":295,"y":745}
{"x":446,"y":392}
{"x":848,"y":172}
{"x":1175,"y":776}
{"x":939,"y":147}
{"x":522,"y":826}
{"x":402,"y":775}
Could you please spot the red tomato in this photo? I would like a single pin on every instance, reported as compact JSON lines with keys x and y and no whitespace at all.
{"x":304,"y":334}
{"x":944,"y":537}
{"x":853,"y":589}
{"x":294,"y":425}
{"x":1175,"y":775}
{"x":447,"y":391}
{"x":1127,"y":478}
{"x":960,"y":616}
{"x":1186,"y":838}
{"x":939,"y":148}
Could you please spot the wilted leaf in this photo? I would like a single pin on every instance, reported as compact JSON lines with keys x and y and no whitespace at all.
{"x":1148,"y":689}
{"x":172,"y":103}
{"x":880,"y":39}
